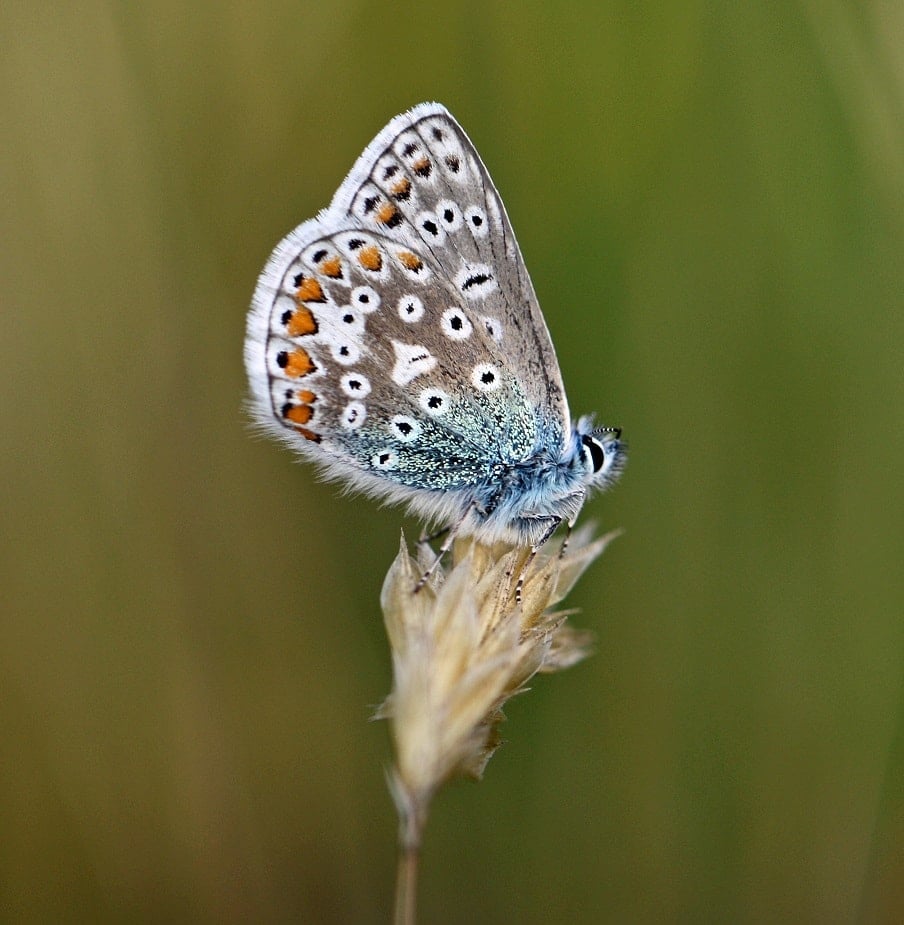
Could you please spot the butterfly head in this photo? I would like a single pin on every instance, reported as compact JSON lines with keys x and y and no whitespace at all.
{"x":601,"y":455}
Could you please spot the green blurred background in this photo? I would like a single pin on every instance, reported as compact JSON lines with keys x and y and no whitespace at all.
{"x":710,"y":197}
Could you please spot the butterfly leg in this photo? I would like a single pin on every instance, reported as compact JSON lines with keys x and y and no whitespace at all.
{"x":551,"y":528}
{"x":578,"y":499}
{"x":565,"y":539}
{"x":451,"y":532}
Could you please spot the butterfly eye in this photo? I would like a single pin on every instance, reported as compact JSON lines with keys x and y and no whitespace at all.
{"x":593,"y":453}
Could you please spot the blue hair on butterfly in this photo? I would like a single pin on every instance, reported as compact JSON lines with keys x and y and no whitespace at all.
{"x":396,"y":341}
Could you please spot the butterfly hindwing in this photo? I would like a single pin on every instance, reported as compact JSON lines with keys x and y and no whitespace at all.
{"x":374,"y":359}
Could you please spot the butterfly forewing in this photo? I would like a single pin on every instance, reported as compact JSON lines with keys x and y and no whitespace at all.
{"x":422,"y":182}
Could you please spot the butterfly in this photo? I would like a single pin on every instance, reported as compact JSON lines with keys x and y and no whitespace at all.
{"x":396,"y":341}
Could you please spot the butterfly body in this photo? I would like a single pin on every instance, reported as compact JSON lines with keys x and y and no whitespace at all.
{"x":396,"y":341}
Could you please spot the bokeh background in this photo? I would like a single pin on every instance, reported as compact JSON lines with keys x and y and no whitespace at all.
{"x":710,"y":197}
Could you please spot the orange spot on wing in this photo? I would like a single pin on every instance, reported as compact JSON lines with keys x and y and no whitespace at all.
{"x":299,"y":414}
{"x":332,"y":267}
{"x":401,"y":189}
{"x":410,"y":261}
{"x":422,"y":166}
{"x":298,"y":363}
{"x":370,"y":258}
{"x":308,"y":434}
{"x":309,"y":290}
{"x":386,"y":213}
{"x":302,"y":322}
{"x":306,"y":395}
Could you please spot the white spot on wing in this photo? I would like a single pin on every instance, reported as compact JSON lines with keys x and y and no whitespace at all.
{"x":412,"y":360}
{"x":345,"y":352}
{"x":493,"y":327}
{"x":434,"y":401}
{"x":449,"y":214}
{"x":350,"y":321}
{"x":353,"y":415}
{"x":411,"y":308}
{"x":385,"y":459}
{"x":431,"y":229}
{"x":355,"y":385}
{"x":406,"y":429}
{"x":455,"y":324}
{"x":476,"y":280}
{"x":366,"y":298}
{"x":486,"y":377}
{"x":477,"y":221}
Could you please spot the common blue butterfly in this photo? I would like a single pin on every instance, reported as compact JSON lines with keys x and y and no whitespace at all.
{"x":396,"y":341}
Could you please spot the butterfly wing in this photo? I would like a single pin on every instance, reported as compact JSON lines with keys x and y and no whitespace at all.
{"x":421,"y":181}
{"x":396,"y":338}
